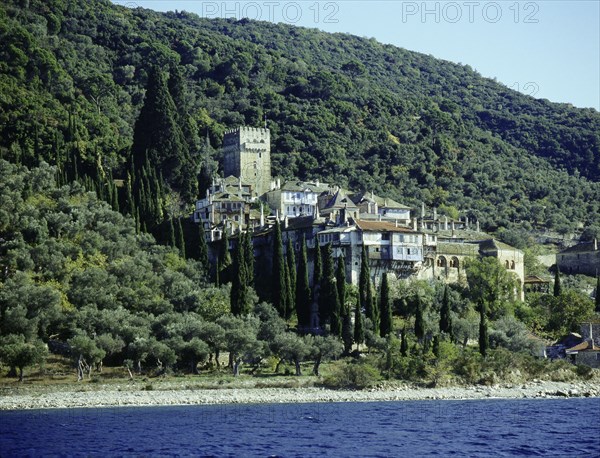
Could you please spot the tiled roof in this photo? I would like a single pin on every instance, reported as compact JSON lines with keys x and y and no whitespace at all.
{"x":580,"y":248}
{"x":233,"y":181}
{"x":472,"y":236}
{"x":301,"y":222}
{"x":583,"y":346}
{"x":385,"y":202}
{"x":383,"y":226}
{"x":534,"y":279}
{"x":339,"y":201}
{"x":227,"y":197}
{"x":300,"y":186}
{"x":493,"y":245}
{"x":458,"y":248}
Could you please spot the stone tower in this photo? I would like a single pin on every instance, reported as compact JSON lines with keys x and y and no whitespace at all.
{"x":247,"y":154}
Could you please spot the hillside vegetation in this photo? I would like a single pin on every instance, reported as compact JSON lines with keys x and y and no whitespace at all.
{"x":102,"y":114}
{"x":342,"y":108}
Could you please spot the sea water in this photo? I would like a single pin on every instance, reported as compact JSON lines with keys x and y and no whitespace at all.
{"x":482,"y":428}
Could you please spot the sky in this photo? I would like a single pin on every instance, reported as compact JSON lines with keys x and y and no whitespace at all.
{"x":548,"y":49}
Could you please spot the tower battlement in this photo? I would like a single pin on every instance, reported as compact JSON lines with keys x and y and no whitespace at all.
{"x":247,"y":154}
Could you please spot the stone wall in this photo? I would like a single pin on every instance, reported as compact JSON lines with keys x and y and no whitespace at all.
{"x":589,"y":358}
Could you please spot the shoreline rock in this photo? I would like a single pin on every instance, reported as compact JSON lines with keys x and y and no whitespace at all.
{"x":135,"y":396}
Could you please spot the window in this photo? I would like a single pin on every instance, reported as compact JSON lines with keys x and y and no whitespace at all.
{"x":385,"y":236}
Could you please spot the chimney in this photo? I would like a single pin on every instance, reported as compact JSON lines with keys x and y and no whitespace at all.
{"x":317,"y":183}
{"x":422,"y":210}
{"x":445,"y":223}
{"x":285,"y":222}
{"x":435,"y":213}
{"x":595,"y":244}
{"x":478,"y":227}
{"x":414,"y":224}
{"x":262,"y":216}
{"x":467,"y":223}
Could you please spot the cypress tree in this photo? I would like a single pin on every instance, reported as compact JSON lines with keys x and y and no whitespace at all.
{"x":171,"y":234}
{"x":359,"y":325}
{"x":347,"y":334}
{"x":137,"y":221}
{"x":329,"y":303}
{"x":180,"y":239}
{"x":436,"y":346}
{"x":364,"y":281}
{"x":278,"y":273}
{"x":404,"y":343}
{"x":484,"y":342}
{"x":374,"y":308}
{"x":598,"y":294}
{"x":249,"y":253}
{"x":340,"y":277}
{"x":340,"y":282}
{"x":303,"y":296}
{"x":318,"y":264}
{"x":445,"y":317}
{"x":203,"y":250}
{"x":365,"y":291}
{"x":129,"y":202}
{"x":557,"y":285}
{"x":238,"y":294}
{"x":115,"y":195}
{"x":289,"y":297}
{"x":158,"y":136}
{"x":385,"y":308}
{"x":419,"y":323}
{"x":291,"y":265}
{"x":224,"y":261}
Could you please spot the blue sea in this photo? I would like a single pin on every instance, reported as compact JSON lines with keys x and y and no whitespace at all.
{"x":548,"y":428}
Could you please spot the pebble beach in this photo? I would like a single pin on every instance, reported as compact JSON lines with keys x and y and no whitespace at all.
{"x":130,"y":395}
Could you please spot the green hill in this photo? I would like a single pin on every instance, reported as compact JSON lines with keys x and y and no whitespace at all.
{"x":342,"y":108}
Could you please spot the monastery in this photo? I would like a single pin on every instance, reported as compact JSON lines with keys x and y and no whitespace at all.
{"x":410,"y":247}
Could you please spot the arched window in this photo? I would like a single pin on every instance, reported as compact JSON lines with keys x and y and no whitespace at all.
{"x":441,"y":262}
{"x":507,"y":264}
{"x":512,"y":265}
{"x":454,"y":262}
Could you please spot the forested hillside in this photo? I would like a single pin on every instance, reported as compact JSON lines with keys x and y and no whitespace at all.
{"x":369,"y":116}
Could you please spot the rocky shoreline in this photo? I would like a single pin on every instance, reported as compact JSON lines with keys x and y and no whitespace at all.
{"x":130,"y":396}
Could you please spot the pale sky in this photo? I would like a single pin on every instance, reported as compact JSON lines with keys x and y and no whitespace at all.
{"x":549,"y":49}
